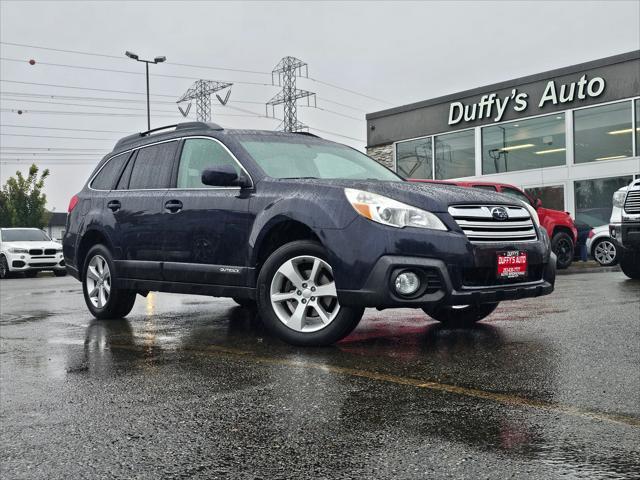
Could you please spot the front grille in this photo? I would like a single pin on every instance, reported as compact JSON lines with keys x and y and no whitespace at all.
{"x":35,"y":251}
{"x":479,"y":225}
{"x":42,"y":264}
{"x":50,"y":251}
{"x":632,"y":203}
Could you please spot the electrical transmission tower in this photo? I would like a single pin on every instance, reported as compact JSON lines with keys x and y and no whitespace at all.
{"x":201,"y":92}
{"x":287,"y":70}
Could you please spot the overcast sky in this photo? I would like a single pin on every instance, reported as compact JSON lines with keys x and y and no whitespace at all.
{"x":394,"y":52}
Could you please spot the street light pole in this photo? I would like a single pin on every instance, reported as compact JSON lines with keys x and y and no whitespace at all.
{"x":146,"y":62}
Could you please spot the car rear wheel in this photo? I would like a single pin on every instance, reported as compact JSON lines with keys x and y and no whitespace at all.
{"x":297,"y":297}
{"x":562,"y":246}
{"x":461,"y":316}
{"x":605,"y":252}
{"x":103,"y":299}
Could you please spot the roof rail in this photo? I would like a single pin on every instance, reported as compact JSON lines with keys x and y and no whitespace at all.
{"x":176,"y":127}
{"x":308,"y":134}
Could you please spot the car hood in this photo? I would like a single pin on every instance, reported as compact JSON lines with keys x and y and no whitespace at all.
{"x":433,"y":197}
{"x":30,"y":245}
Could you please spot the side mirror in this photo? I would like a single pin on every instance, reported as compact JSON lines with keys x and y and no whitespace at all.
{"x":224,"y":176}
{"x":538,"y":203}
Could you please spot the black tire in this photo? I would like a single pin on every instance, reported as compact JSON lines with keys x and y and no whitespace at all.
{"x":245,"y":302}
{"x":463,"y":316}
{"x":604,"y":249}
{"x":60,"y":273}
{"x":630,"y":264}
{"x":562,"y":246}
{"x":120,"y":301}
{"x":345,"y":321}
{"x":4,"y":267}
{"x":31,"y":273}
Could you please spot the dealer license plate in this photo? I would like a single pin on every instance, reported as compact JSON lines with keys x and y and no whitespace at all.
{"x":512,"y":264}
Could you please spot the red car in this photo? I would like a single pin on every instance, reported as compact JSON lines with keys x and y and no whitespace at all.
{"x":559,"y":225}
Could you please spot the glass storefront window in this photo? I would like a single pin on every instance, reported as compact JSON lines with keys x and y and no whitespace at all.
{"x":594,"y":199}
{"x":455,"y":155}
{"x":524,"y":144}
{"x":603,"y":133}
{"x":551,"y":197}
{"x":413,"y":158}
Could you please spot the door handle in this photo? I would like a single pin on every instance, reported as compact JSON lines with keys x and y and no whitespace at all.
{"x":173,"y":206}
{"x":114,"y":205}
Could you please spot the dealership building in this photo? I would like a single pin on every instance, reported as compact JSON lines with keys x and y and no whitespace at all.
{"x":570,"y":136}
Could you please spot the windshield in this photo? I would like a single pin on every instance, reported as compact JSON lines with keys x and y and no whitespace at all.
{"x":281,"y":158}
{"x":24,"y":235}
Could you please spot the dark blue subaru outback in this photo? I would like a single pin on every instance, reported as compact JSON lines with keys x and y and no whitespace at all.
{"x":309,"y":231}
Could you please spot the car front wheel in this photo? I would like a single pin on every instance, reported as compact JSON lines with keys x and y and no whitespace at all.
{"x":4,"y":267}
{"x":605,"y":253}
{"x":461,"y":316}
{"x":630,"y":264}
{"x":297,"y":298}
{"x":103,"y":299}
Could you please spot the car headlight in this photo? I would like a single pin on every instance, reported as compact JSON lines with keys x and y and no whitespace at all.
{"x":533,"y":213}
{"x":391,"y":212}
{"x":618,"y":199}
{"x":18,"y":250}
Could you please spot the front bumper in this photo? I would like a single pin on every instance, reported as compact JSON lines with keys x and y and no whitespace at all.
{"x":626,"y":234}
{"x":23,"y":262}
{"x":378,"y":290}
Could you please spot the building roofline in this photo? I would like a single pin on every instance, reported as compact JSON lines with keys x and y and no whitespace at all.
{"x":602,"y":62}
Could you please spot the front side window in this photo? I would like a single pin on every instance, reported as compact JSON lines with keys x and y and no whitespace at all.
{"x":594,"y":199}
{"x":551,"y":197}
{"x":153,"y":166}
{"x":198,"y":154}
{"x":524,"y":144}
{"x":282,"y":157}
{"x":414,"y":158}
{"x":603,"y":133}
{"x":106,"y":177}
{"x":455,"y":155}
{"x":512,"y":192}
{"x":24,"y":235}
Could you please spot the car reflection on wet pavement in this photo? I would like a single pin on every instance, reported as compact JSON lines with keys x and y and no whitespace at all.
{"x":193,"y":387}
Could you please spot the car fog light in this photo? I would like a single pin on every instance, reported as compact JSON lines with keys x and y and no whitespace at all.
{"x":407,"y":283}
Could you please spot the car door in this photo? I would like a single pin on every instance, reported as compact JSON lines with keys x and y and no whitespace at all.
{"x":137,"y":206}
{"x":207,"y":227}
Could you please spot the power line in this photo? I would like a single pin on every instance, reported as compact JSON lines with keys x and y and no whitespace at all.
{"x":54,"y":136}
{"x":59,"y":128}
{"x":334,"y":112}
{"x":328,"y":84}
{"x":129,"y":72}
{"x":119,"y":57}
{"x":338,"y":134}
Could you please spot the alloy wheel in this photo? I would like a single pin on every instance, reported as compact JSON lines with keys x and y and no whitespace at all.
{"x":98,"y":281}
{"x":605,"y":252}
{"x":564,"y":251}
{"x":303,"y":294}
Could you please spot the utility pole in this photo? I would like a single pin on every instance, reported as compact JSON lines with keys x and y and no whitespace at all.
{"x":201,"y":92}
{"x":133,"y":56}
{"x":287,"y":70}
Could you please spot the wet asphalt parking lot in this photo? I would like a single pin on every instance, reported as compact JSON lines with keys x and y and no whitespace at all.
{"x":193,"y":387}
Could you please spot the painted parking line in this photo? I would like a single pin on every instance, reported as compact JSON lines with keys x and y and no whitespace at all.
{"x":505,"y":399}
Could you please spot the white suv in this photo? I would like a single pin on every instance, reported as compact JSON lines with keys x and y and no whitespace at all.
{"x":29,"y":250}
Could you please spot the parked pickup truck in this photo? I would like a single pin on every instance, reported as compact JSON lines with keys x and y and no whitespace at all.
{"x":559,"y":225}
{"x":627,"y":232}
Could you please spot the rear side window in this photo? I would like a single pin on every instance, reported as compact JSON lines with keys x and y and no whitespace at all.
{"x":109,"y":173}
{"x":153,"y":166}
{"x":199,"y":154}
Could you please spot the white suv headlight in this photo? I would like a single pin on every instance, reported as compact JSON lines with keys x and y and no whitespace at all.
{"x":391,"y":212}
{"x":618,"y":199}
{"x":18,"y":250}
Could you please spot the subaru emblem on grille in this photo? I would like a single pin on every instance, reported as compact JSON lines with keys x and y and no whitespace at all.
{"x":499,"y":213}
